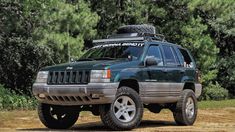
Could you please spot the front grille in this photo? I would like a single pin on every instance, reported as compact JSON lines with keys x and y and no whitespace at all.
{"x":68,"y":77}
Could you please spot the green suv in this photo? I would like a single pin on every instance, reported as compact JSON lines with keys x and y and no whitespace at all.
{"x":119,"y":77}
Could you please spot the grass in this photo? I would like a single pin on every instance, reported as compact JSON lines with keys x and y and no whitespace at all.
{"x":216,"y":104}
{"x":9,"y":100}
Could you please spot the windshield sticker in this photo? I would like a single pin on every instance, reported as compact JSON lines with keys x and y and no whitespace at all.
{"x":119,"y":44}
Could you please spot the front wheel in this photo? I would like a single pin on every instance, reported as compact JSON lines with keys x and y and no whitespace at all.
{"x":125,"y":112}
{"x":56,"y":117}
{"x":185,"y":111}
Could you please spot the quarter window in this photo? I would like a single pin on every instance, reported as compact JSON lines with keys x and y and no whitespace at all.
{"x":187,"y":59}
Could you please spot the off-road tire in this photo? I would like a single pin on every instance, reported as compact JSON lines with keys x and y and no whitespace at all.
{"x":179,"y":112}
{"x":136,"y":29}
{"x":49,"y":121}
{"x":108,"y":117}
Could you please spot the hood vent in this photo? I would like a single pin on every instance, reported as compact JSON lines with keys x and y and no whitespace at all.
{"x":68,"y":77}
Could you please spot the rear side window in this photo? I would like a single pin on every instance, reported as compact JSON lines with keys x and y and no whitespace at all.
{"x":170,"y":56}
{"x":187,"y":59}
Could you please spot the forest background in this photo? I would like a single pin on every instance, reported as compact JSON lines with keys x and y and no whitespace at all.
{"x":38,"y":33}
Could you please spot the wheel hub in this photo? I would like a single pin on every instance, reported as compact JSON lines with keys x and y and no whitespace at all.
{"x":56,"y":115}
{"x":190,"y":108}
{"x":124,"y":109}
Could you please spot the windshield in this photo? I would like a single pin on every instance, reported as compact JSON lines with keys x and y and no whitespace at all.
{"x":114,"y":51}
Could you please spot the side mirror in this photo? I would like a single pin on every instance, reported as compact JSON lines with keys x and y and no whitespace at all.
{"x":149,"y":61}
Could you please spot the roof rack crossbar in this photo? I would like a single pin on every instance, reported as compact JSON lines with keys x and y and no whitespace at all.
{"x":119,"y":39}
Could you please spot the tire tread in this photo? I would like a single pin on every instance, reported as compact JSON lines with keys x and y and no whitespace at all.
{"x":178,"y":112}
{"x":49,"y":123}
{"x":107,"y":118}
{"x":137,"y":29}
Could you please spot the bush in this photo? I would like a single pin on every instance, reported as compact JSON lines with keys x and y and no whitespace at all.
{"x":214,"y":92}
{"x":9,"y":100}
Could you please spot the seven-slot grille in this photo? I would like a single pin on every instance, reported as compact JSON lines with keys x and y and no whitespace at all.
{"x":68,"y":77}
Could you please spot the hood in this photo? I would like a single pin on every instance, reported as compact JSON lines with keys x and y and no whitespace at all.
{"x":88,"y":65}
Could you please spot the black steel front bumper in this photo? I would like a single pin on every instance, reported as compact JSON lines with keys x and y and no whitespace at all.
{"x":92,"y":93}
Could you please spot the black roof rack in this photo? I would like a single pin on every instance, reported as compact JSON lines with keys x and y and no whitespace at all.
{"x":118,"y":39}
{"x":132,"y":37}
{"x":160,"y":37}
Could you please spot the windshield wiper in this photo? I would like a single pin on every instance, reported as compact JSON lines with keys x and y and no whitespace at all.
{"x":85,"y":59}
{"x":104,"y":58}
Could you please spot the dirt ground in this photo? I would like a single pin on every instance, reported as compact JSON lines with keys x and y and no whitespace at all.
{"x":208,"y":120}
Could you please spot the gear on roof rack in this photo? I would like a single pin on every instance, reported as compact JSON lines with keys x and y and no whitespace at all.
{"x":144,"y":28}
{"x":133,"y":33}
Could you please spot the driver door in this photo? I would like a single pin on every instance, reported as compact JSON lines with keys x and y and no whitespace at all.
{"x":155,"y":74}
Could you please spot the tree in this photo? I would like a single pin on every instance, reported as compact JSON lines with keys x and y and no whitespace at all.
{"x":203,"y":48}
{"x":20,"y":58}
{"x":219,"y":16}
{"x":63,"y":27}
{"x":114,"y":14}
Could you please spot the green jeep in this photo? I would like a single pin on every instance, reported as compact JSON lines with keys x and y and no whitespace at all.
{"x":119,"y":77}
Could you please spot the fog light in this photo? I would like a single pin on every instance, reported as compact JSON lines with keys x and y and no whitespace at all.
{"x":42,"y":96}
{"x":96,"y":96}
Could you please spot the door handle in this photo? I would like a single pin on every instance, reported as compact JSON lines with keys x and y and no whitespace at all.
{"x":165,"y":71}
{"x":182,"y":71}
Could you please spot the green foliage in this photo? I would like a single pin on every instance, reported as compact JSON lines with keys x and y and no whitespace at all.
{"x":64,"y":26}
{"x":220,"y":14}
{"x":9,"y":100}
{"x":20,"y":61}
{"x":202,"y":47}
{"x":20,"y":57}
{"x":226,"y":75}
{"x":114,"y":14}
{"x":220,"y":17}
{"x":214,"y":92}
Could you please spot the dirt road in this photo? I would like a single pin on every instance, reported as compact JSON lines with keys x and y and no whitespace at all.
{"x":208,"y":120}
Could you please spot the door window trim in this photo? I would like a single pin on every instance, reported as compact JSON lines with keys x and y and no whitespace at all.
{"x":161,"y":53}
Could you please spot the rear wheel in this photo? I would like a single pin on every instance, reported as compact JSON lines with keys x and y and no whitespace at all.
{"x":56,"y":117}
{"x":125,"y":112}
{"x":185,"y":112}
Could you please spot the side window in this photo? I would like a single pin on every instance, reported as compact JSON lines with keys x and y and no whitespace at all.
{"x":154,"y":51}
{"x":170,"y":56}
{"x":187,"y":59}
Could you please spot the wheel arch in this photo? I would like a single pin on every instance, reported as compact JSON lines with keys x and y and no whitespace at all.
{"x":189,"y":85}
{"x":132,"y":83}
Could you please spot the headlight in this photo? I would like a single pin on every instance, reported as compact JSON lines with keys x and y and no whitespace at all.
{"x":42,"y":77}
{"x":100,"y":75}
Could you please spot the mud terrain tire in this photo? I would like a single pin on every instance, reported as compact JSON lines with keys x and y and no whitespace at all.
{"x":115,"y":115}
{"x":185,"y":112}
{"x":66,"y":120}
{"x":136,"y":29}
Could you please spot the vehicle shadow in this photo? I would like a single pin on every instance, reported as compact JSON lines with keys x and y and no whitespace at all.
{"x":98,"y":126}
